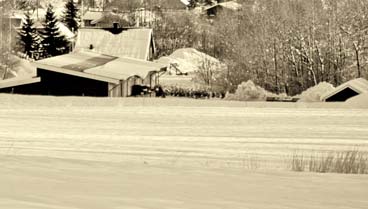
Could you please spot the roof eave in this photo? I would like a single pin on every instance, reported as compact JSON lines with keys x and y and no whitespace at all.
{"x":76,"y":73}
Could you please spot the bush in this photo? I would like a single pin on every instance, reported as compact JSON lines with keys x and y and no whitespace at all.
{"x":175,"y":91}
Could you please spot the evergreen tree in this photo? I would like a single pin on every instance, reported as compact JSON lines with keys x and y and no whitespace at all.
{"x":29,"y":39}
{"x":70,"y":17}
{"x":53,"y":42}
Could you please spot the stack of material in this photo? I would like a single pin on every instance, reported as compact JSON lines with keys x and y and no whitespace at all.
{"x":190,"y":60}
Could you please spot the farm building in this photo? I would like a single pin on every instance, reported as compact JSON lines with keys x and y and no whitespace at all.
{"x":86,"y":74}
{"x":347,"y":90}
{"x":135,"y":43}
{"x":213,"y":9}
{"x":90,"y":17}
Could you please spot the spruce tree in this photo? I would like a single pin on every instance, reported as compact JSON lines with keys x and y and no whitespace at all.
{"x":53,"y":42}
{"x":70,"y":17}
{"x":29,"y":39}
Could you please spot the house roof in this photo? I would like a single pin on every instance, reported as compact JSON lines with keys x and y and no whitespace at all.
{"x":93,"y":15}
{"x":185,"y":2}
{"x":360,"y":85}
{"x":133,"y":43}
{"x":232,"y":5}
{"x":99,"y":66}
{"x":163,"y":4}
{"x":173,"y":4}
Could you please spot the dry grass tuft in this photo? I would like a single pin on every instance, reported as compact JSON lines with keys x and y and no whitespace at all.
{"x":348,"y":162}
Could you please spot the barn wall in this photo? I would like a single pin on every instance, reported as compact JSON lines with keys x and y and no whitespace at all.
{"x":60,"y":84}
{"x":151,"y":80}
{"x":114,"y":90}
{"x":29,"y":89}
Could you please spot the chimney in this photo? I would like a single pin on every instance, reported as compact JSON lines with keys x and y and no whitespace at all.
{"x":115,"y":26}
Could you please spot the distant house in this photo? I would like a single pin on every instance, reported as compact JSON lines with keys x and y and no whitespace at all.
{"x":86,"y":74}
{"x":134,"y":43}
{"x":214,"y":9}
{"x":347,"y":90}
{"x":91,"y":18}
{"x":16,"y":18}
{"x":149,"y":4}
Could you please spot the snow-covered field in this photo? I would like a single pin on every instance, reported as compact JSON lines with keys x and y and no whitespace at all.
{"x":173,"y":153}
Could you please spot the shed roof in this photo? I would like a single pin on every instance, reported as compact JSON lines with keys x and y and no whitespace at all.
{"x":133,"y":43}
{"x":99,"y":66}
{"x":123,"y":68}
{"x":360,"y":85}
{"x":11,"y":82}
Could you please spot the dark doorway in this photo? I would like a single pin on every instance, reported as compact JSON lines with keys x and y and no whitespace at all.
{"x":342,"y":96}
{"x":59,"y":84}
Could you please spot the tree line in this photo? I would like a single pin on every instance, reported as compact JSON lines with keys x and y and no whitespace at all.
{"x":48,"y":41}
{"x":285,"y":46}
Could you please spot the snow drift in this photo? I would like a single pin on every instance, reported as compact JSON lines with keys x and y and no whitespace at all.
{"x":248,"y":91}
{"x":183,"y":66}
{"x":189,"y":60}
{"x":315,"y":93}
{"x":359,"y":101}
{"x":21,"y":68}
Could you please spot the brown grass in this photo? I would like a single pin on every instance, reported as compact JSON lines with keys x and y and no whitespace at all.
{"x":348,"y":162}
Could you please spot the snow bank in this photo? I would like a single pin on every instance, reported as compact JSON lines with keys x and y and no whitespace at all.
{"x":314,"y":93}
{"x":248,"y":91}
{"x":359,"y":101}
{"x":188,"y":60}
{"x":23,"y":68}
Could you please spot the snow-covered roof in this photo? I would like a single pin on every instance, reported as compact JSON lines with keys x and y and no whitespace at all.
{"x":93,"y":15}
{"x":232,"y":5}
{"x":18,"y":81}
{"x":185,"y":2}
{"x":62,"y":29}
{"x":133,"y":43}
{"x":359,"y":85}
{"x":99,"y":66}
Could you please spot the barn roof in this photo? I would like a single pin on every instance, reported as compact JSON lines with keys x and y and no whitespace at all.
{"x":133,"y":43}
{"x":359,"y":85}
{"x":18,"y":81}
{"x":99,"y":66}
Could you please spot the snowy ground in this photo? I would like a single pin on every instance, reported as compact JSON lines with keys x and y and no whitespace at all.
{"x":90,"y":153}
